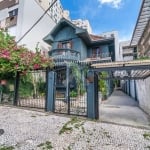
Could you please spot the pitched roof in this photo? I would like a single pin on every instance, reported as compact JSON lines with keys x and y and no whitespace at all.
{"x":82,"y":33}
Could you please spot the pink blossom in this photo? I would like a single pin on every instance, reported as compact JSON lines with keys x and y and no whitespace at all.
{"x":36,"y":66}
{"x":5,"y":54}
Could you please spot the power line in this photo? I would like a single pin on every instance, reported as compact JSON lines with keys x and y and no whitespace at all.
{"x":36,"y":22}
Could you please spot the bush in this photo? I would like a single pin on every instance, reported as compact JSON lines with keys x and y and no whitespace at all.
{"x":73,"y":94}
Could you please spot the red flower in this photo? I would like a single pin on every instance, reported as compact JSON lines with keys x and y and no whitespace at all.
{"x":36,"y":66}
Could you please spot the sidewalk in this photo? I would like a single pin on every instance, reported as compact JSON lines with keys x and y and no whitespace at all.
{"x":122,"y":109}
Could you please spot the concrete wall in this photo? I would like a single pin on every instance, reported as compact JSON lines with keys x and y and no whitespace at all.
{"x":132,"y":88}
{"x":143,"y":94}
{"x":29,"y":12}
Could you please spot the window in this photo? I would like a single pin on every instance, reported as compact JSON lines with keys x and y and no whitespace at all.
{"x":13,"y":13}
{"x":96,"y":52}
{"x":65,"y":45}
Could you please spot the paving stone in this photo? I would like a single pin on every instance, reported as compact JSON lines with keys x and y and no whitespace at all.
{"x":25,"y":132}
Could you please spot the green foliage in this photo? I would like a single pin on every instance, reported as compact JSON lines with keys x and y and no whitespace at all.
{"x":73,"y":123}
{"x":73,"y":94}
{"x":46,"y":146}
{"x":76,"y":72}
{"x":32,"y":84}
{"x":143,"y":58}
{"x":6,"y":148}
{"x":15,"y":58}
{"x":116,"y":82}
{"x":146,"y":136}
{"x":102,"y":84}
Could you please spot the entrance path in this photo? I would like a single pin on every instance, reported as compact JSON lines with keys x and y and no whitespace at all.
{"x":122,"y":109}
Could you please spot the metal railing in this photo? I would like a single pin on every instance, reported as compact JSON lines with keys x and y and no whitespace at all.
{"x":65,"y":54}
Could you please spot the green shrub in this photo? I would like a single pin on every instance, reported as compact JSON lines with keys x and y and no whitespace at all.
{"x":73,"y":94}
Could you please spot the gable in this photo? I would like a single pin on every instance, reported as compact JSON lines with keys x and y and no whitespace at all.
{"x":65,"y":33}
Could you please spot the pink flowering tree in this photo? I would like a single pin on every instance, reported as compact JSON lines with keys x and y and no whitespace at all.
{"x":15,"y":58}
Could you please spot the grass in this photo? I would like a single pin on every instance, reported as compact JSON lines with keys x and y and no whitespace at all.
{"x":71,"y":124}
{"x":7,"y":148}
{"x":146,"y":136}
{"x":46,"y":146}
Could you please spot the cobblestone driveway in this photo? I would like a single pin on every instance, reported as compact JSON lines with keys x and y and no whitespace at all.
{"x":29,"y":130}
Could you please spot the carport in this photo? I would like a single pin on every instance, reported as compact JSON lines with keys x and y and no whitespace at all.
{"x":121,"y":108}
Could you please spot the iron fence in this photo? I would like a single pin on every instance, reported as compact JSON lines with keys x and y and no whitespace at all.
{"x":70,"y":94}
{"x":32,"y":89}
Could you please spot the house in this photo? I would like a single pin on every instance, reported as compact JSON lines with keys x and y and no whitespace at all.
{"x":70,"y":42}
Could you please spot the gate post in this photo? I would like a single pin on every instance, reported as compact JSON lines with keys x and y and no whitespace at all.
{"x":50,"y":91}
{"x":67,"y":87}
{"x":92,"y":95}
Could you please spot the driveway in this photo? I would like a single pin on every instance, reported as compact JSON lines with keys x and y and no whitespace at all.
{"x":122,"y":109}
{"x":30,"y":130}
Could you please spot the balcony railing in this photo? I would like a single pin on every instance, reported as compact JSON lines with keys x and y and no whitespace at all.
{"x":66,"y":54}
{"x":11,"y":21}
{"x":101,"y":55}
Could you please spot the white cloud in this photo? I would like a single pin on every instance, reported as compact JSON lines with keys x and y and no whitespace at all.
{"x":113,"y":3}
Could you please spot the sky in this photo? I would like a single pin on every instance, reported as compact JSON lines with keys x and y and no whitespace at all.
{"x":106,"y":15}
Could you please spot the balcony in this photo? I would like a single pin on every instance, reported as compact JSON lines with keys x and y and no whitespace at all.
{"x":64,"y":54}
{"x":102,"y":57}
{"x":11,"y":21}
{"x":8,"y":3}
{"x":128,"y":52}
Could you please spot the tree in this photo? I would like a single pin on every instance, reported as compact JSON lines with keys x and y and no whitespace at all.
{"x":15,"y":58}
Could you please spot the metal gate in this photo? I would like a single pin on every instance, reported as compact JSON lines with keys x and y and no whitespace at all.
{"x":71,"y":94}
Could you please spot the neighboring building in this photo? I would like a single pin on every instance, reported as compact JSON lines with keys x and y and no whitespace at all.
{"x":71,"y":42}
{"x":19,"y":15}
{"x":126,"y":51}
{"x":140,"y":37}
{"x":141,"y":40}
{"x":56,"y":12}
{"x":144,"y":42}
{"x":83,"y":24}
{"x":114,"y":34}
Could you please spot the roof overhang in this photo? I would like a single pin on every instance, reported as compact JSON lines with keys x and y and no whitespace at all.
{"x":141,"y":23}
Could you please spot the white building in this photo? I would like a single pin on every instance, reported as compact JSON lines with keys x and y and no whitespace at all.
{"x":116,"y":38}
{"x":56,"y":12}
{"x":18,"y":16}
{"x":126,"y":51}
{"x":83,"y":24}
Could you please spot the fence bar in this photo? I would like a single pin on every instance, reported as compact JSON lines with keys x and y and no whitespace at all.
{"x":16,"y":89}
{"x":67,"y":89}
